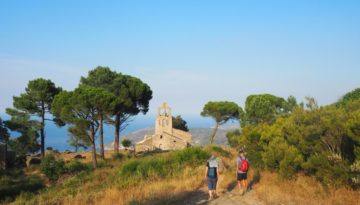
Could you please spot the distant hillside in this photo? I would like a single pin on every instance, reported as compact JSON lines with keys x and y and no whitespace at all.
{"x":200,"y":135}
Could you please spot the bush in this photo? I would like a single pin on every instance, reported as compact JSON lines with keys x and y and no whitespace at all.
{"x":52,"y":168}
{"x":163,"y":165}
{"x":76,"y":166}
{"x":322,"y":142}
{"x":117,"y":156}
{"x":126,"y":143}
{"x":193,"y":155}
{"x":219,"y":151}
{"x":16,"y":182}
{"x":280,"y":156}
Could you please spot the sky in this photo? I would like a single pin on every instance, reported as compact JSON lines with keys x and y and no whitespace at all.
{"x":188,"y":52}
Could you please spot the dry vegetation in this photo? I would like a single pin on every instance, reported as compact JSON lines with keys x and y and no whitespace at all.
{"x":106,"y":186}
{"x":303,"y":190}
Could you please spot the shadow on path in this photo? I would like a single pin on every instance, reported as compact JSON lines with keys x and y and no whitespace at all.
{"x":254,"y":180}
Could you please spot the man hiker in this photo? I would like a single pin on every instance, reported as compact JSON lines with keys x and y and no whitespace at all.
{"x":242,"y":166}
{"x":212,"y":174}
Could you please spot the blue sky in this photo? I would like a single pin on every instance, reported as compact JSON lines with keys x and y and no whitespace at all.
{"x":189,"y":52}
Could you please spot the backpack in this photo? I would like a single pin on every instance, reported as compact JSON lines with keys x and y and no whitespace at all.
{"x":211,"y":172}
{"x":213,"y":164}
{"x":244,"y":166}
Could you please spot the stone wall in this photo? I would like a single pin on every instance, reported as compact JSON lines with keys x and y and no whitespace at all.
{"x":183,"y":135}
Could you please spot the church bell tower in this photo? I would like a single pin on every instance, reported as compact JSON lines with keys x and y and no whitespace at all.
{"x":163,"y":120}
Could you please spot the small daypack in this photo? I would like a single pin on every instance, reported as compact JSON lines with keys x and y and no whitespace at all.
{"x":244,"y":166}
{"x":211,"y":172}
{"x":213,"y":164}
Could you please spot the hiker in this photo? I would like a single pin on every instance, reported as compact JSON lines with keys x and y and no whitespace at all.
{"x":242,"y":166}
{"x":212,"y":174}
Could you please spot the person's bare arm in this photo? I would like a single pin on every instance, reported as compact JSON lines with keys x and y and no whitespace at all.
{"x":237,"y":165}
{"x":206,"y":172}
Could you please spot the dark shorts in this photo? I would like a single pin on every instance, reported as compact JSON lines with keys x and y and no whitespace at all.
{"x":212,"y":183}
{"x":241,"y":176}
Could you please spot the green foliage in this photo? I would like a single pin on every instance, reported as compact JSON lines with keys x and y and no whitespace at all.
{"x":21,"y":123}
{"x":117,"y":156}
{"x":81,"y":108}
{"x":162,"y":166}
{"x":38,"y":96}
{"x":319,"y":141}
{"x":4,"y":133}
{"x":349,"y":97}
{"x":279,"y":155}
{"x":78,"y":137}
{"x":37,"y":100}
{"x":179,"y":123}
{"x":265,"y":108}
{"x":52,"y":168}
{"x":218,"y":151}
{"x":126,"y":143}
{"x":221,"y":112}
{"x":131,"y":96}
{"x":233,"y":137}
{"x":76,"y":166}
{"x":14,"y":182}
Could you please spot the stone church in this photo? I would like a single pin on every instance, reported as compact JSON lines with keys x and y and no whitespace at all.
{"x":165,"y":137}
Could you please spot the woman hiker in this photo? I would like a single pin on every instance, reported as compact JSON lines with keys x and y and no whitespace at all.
{"x":212,"y":174}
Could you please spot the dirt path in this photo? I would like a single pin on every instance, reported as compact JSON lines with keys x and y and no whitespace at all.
{"x":230,"y":197}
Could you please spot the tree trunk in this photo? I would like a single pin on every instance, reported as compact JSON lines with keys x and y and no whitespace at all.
{"x":93,"y":147}
{"x":214,"y":133}
{"x":102,"y":153}
{"x":117,"y":133}
{"x":6,"y":160}
{"x":42,"y":130}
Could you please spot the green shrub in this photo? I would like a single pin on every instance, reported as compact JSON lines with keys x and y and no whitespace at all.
{"x":282,"y":157}
{"x":233,"y":138}
{"x":76,"y":166}
{"x":192,"y":155}
{"x":162,"y":165}
{"x":117,"y":156}
{"x":17,"y":182}
{"x":219,"y":151}
{"x":126,"y":143}
{"x":103,"y":163}
{"x":52,"y":168}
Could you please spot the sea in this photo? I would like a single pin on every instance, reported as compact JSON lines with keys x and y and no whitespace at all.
{"x":57,"y":137}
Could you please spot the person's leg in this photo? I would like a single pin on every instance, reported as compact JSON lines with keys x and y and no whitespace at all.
{"x":245,"y":182}
{"x":215,"y":184}
{"x":239,"y":181}
{"x":210,"y":189}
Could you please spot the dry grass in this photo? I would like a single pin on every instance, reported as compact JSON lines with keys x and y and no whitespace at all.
{"x":302,"y":190}
{"x":99,"y":188}
{"x":143,"y":193}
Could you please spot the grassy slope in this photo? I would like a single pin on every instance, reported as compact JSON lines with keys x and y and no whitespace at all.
{"x":142,"y":179}
{"x":169,"y":178}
